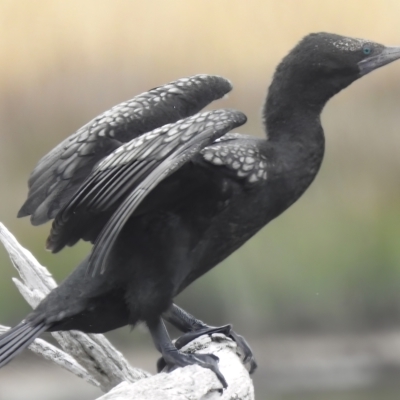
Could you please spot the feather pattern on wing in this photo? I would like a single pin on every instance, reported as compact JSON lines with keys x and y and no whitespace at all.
{"x":59,"y":174}
{"x":131,"y":172}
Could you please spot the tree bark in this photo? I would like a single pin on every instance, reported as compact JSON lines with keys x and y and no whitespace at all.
{"x":93,"y":358}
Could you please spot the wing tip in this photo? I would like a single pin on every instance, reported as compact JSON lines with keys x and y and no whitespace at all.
{"x":237,"y":117}
{"x":52,"y":245}
{"x":221,"y":85}
{"x":215,"y":85}
{"x":22,"y":212}
{"x":37,"y":212}
{"x":241,"y":117}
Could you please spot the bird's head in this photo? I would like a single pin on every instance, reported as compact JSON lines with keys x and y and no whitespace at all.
{"x":322,"y":64}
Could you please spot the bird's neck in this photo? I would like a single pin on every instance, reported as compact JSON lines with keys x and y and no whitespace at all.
{"x":292,"y":107}
{"x":293,"y":125}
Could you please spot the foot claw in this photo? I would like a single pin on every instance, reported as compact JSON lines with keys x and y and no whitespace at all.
{"x":248,"y":357}
{"x":175,"y":359}
{"x":241,"y":342}
{"x":190,"y":336}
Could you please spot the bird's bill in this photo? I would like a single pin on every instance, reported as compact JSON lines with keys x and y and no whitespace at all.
{"x":388,"y":55}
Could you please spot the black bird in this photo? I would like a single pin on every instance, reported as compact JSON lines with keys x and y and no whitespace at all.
{"x":163,"y":204}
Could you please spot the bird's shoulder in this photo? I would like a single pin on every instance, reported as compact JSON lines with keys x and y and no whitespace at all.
{"x":243,"y":157}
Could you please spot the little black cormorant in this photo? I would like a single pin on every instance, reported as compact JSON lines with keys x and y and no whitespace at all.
{"x":165,"y":194}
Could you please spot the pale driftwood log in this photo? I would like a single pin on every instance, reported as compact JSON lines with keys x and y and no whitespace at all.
{"x":94,"y":353}
{"x":93,"y":358}
{"x":59,"y":357}
{"x":194,"y":382}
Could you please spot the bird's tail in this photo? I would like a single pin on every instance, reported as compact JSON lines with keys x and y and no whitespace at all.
{"x":18,"y":338}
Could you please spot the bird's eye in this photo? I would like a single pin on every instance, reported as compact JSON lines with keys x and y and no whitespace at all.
{"x":366,"y":49}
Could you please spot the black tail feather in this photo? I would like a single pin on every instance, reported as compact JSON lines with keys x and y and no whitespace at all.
{"x":18,"y":338}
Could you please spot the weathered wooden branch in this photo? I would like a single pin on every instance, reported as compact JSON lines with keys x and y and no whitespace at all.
{"x":94,"y":353}
{"x":93,"y":358}
{"x":194,"y":382}
{"x":59,"y":357}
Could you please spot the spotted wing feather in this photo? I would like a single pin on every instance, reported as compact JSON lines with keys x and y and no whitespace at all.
{"x":129,"y":174}
{"x":59,"y":174}
{"x":240,"y":154}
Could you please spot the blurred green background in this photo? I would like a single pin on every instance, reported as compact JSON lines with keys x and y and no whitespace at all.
{"x":331,"y":264}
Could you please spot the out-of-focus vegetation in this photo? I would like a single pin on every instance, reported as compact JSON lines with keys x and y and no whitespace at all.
{"x":331,"y":262}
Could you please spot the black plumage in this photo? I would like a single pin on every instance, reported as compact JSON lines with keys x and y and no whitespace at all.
{"x":59,"y":174}
{"x":163,"y":204}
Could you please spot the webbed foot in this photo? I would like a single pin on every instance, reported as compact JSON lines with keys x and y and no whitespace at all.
{"x":173,"y":359}
{"x":243,"y":346}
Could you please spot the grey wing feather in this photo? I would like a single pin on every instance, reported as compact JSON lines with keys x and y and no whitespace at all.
{"x":140,"y":172}
{"x":59,"y":174}
{"x":241,"y":154}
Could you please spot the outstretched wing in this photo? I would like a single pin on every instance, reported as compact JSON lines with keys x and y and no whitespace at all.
{"x":59,"y":174}
{"x":123,"y":179}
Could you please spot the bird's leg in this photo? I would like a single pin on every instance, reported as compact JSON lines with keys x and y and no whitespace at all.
{"x":173,"y":358}
{"x":193,"y":328}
